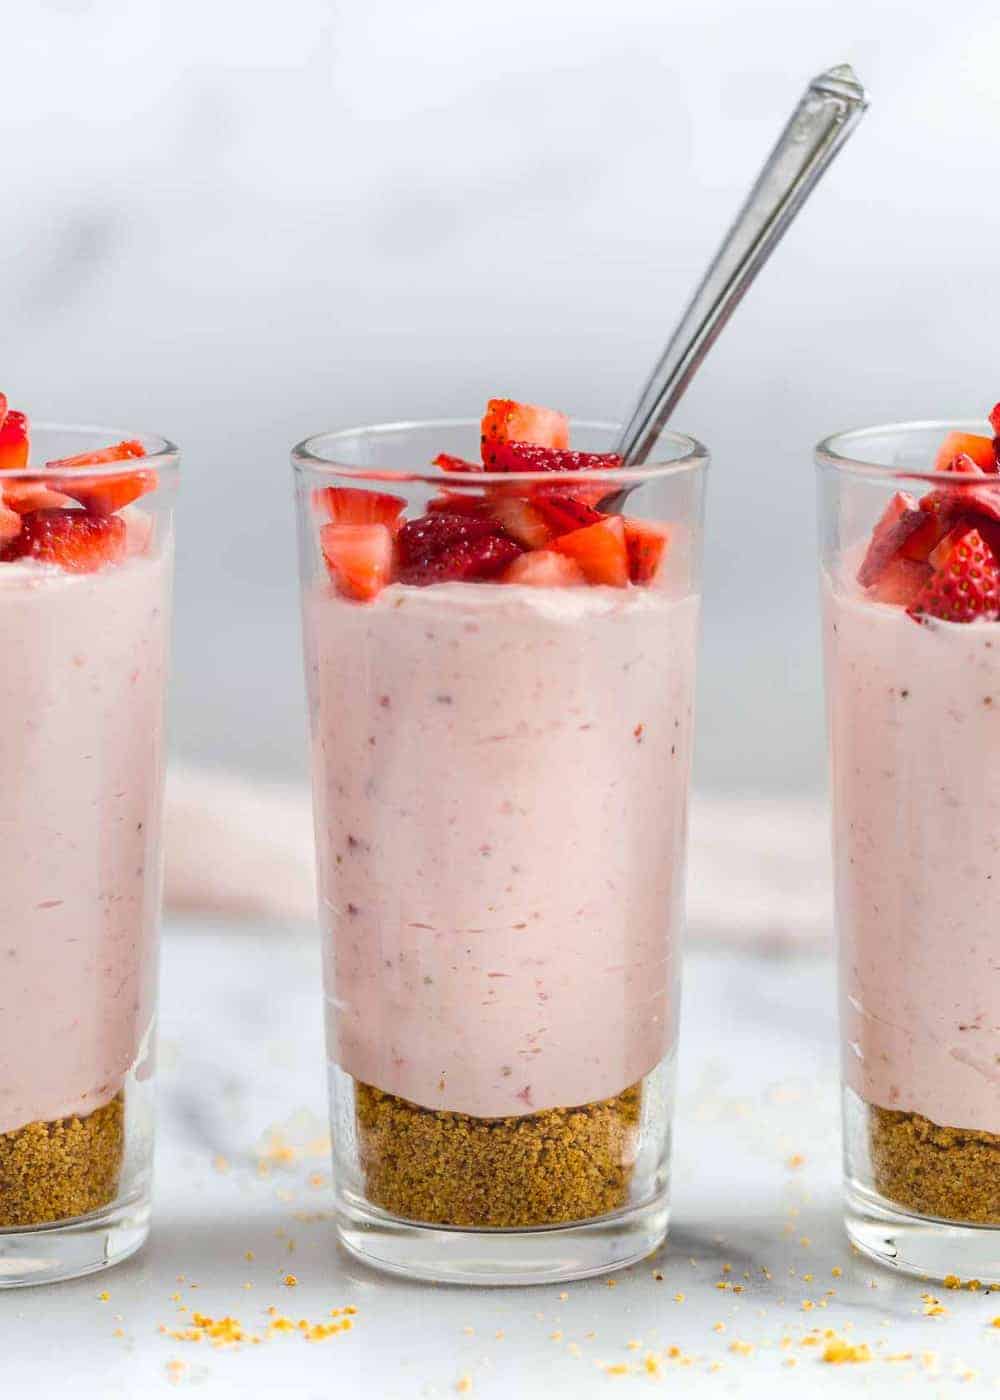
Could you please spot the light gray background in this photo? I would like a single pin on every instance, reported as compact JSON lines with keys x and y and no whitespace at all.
{"x":237,"y":223}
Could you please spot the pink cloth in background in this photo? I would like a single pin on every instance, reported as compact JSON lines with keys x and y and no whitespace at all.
{"x":237,"y":847}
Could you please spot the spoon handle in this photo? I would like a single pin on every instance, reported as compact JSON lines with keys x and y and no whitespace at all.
{"x":829,"y":110}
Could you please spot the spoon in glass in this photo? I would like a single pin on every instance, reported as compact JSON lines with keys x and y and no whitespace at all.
{"x":828,"y":112}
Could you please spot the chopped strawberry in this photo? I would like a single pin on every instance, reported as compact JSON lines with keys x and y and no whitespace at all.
{"x":458,"y":503}
{"x":901,"y":517}
{"x":522,"y":521}
{"x":3,"y":409}
{"x":564,"y":513}
{"x":24,"y":496}
{"x":646,"y":545}
{"x":545,"y":568}
{"x":347,"y":505}
{"x":10,"y":525}
{"x":995,"y":418}
{"x":939,"y":517}
{"x":103,"y":495}
{"x":435,"y":548}
{"x":980,"y":449}
{"x":516,"y":456}
{"x":72,"y":539}
{"x":947,"y":543}
{"x":599,"y":550}
{"x":982,"y":498}
{"x":508,"y":421}
{"x":450,"y":463}
{"x":358,"y":557}
{"x":900,"y":582}
{"x":13,"y":441}
{"x":966,"y":585}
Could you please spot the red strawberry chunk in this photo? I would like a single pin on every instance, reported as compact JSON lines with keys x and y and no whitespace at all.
{"x":506,"y":420}
{"x":3,"y":409}
{"x":979,"y":448}
{"x":358,"y":558}
{"x":348,"y":505}
{"x":522,"y":521}
{"x":72,"y":539}
{"x":10,"y":525}
{"x":24,"y":496}
{"x":966,"y":585}
{"x":103,"y":495}
{"x":646,"y":545}
{"x":900,"y":582}
{"x":449,"y":463}
{"x":599,"y":550}
{"x":939,"y":517}
{"x":565,"y":513}
{"x":458,"y":503}
{"x":13,"y":441}
{"x":531,"y":457}
{"x":901,"y":517}
{"x":545,"y":568}
{"x":995,"y":418}
{"x":436,"y":548}
{"x":981,"y":498}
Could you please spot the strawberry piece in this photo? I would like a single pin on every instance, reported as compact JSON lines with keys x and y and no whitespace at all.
{"x":506,"y":420}
{"x":435,"y":548}
{"x":520,"y":456}
{"x":599,"y":550}
{"x":900,"y":582}
{"x":3,"y":409}
{"x":458,"y":503}
{"x":947,"y":543}
{"x":966,"y":586}
{"x":901,"y":517}
{"x":103,"y":495}
{"x":521,"y":521}
{"x":565,"y":513}
{"x":939,"y":517}
{"x":347,"y":505}
{"x":24,"y":496}
{"x":980,"y":449}
{"x":358,"y":558}
{"x":545,"y":568}
{"x":449,"y":463}
{"x":72,"y":539}
{"x":981,"y":499}
{"x":646,"y":545}
{"x":13,"y":441}
{"x":10,"y":525}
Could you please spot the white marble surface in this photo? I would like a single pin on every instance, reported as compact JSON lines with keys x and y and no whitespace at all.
{"x":242,"y":1056}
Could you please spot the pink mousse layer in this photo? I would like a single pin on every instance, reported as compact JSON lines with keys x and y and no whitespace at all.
{"x":915,"y":733}
{"x":501,"y":781}
{"x":82,"y":661}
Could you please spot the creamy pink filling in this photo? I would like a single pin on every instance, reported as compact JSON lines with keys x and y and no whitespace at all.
{"x":915,"y":734}
{"x":501,"y":783}
{"x":82,"y":661}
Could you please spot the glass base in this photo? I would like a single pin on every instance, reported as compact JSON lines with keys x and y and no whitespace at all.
{"x":919,"y":1244}
{"x":70,"y":1249}
{"x":499,"y":1258}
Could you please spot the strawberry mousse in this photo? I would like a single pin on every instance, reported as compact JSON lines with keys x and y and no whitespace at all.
{"x":84,"y":606}
{"x":913,"y":658}
{"x":501,"y":694}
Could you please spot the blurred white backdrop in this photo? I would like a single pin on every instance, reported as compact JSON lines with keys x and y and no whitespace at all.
{"x":238,"y":223}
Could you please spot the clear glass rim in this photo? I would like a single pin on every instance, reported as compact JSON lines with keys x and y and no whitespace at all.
{"x":312,"y":455}
{"x":840,"y":451}
{"x":161,"y":454}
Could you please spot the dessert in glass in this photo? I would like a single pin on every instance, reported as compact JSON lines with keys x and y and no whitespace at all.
{"x":500,"y":667}
{"x":910,"y":524}
{"x":85,"y":566}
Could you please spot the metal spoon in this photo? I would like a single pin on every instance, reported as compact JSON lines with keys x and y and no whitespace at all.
{"x":831,"y":107}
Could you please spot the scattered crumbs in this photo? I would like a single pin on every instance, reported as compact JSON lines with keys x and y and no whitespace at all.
{"x":790,"y":1361}
{"x":618,"y":1368}
{"x":952,"y":1281}
{"x":715,"y":1366}
{"x":679,"y":1298}
{"x":651,"y":1364}
{"x":899,"y":1356}
{"x":220,"y":1163}
{"x":742,"y":1348}
{"x":556,"y":1336}
{"x":290,"y":1281}
{"x":249,"y":1256}
{"x":837,"y":1271}
{"x":933,"y":1307}
{"x":737,"y":1288}
{"x":499,"y":1335}
{"x":727,"y":1268}
{"x":995,"y":1322}
{"x":766,"y":1271}
{"x":103,"y":1297}
{"x":796,"y":1160}
{"x":805,"y":1241}
{"x":469,"y":1331}
{"x":463,"y":1385}
{"x":807,"y":1305}
{"x":175,"y":1370}
{"x":807,"y":1278}
{"x":838,"y":1351}
{"x":175,"y":1297}
{"x":723,"y":1284}
{"x":658,"y":1275}
{"x":612,"y":1282}
{"x":118,"y":1332}
{"x":563,"y":1297}
{"x":573,"y":1349}
{"x":718,"y":1327}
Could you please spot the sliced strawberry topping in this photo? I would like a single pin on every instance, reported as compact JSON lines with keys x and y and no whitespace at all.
{"x":458,"y":503}
{"x":980,"y":497}
{"x":103,"y":495}
{"x":599,"y":550}
{"x":565,"y":513}
{"x":545,"y":568}
{"x":508,"y":421}
{"x":10,"y":525}
{"x":347,"y":505}
{"x":24,"y":496}
{"x":436,"y":548}
{"x":939,"y":516}
{"x":966,"y":585}
{"x":72,"y":539}
{"x":980,"y":449}
{"x":900,"y":582}
{"x":901,"y":517}
{"x":3,"y":409}
{"x":522,"y":521}
{"x":13,"y":441}
{"x":995,"y":418}
{"x":646,"y":545}
{"x":358,"y":557}
{"x":529,"y":457}
{"x":449,"y":463}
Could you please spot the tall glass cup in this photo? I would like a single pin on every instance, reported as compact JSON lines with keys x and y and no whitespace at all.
{"x":86,"y":555}
{"x":500,"y":781}
{"x":914,"y":721}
